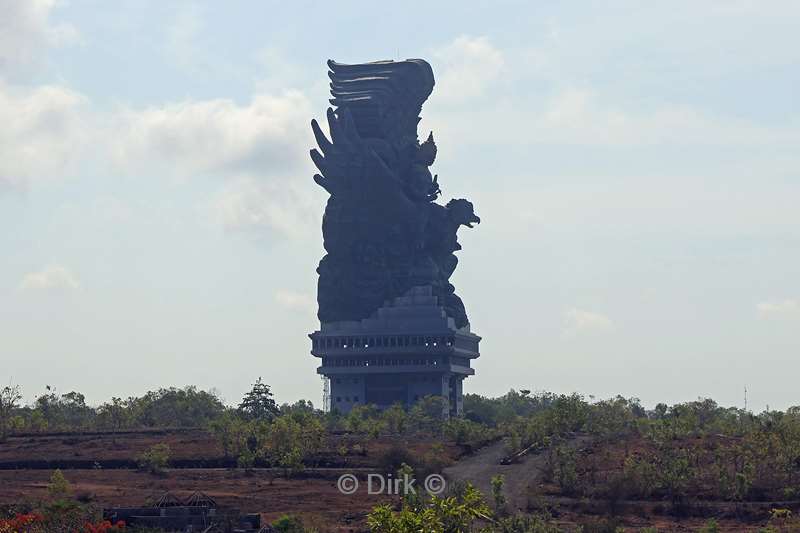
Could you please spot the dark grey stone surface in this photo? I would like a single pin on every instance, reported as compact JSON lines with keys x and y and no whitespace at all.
{"x":384,"y":232}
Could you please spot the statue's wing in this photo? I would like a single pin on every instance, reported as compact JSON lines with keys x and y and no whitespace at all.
{"x":350,"y":168}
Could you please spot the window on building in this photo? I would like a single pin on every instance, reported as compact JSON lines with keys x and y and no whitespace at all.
{"x":338,"y":398}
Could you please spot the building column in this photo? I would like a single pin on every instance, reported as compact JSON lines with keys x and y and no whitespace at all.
{"x":459,"y":395}
{"x":446,"y":408}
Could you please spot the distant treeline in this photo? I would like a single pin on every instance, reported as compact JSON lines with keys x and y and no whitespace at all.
{"x":172,"y":407}
{"x":191,"y":407}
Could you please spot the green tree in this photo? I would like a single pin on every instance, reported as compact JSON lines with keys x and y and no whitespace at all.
{"x":288,"y":524}
{"x":289,"y":443}
{"x":59,"y":488}
{"x":428,"y":414}
{"x":114,"y":414}
{"x":566,"y":469}
{"x":259,"y":404}
{"x":498,"y":482}
{"x":156,"y":459}
{"x":9,"y":401}
{"x":230,"y":432}
{"x":437,"y":515}
{"x":173,"y":407}
{"x":395,"y":418}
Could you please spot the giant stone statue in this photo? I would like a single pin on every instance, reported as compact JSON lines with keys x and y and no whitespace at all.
{"x":392,"y":328}
{"x":383,"y":230}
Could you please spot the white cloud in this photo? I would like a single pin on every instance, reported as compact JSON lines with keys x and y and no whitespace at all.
{"x":269,"y":134}
{"x":783,"y":309}
{"x":296,"y":301}
{"x":255,"y":206}
{"x":554,"y":92}
{"x":26,"y":30}
{"x":257,"y":149}
{"x":467,"y":66}
{"x":579,"y":116}
{"x":41,"y":126}
{"x":580,"y":320}
{"x":42,"y":131}
{"x":50,"y":277}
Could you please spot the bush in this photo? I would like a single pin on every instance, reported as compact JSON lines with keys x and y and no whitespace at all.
{"x":565,"y":470}
{"x":394,"y":458}
{"x":290,"y":524}
{"x":498,"y":482}
{"x":710,"y":527}
{"x":450,"y":515}
{"x":156,"y":459}
{"x":59,"y":488}
{"x":526,"y":524}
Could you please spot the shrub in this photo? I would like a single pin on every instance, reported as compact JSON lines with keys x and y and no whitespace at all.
{"x":710,"y":527}
{"x":394,"y":458}
{"x":526,"y":524}
{"x":59,"y":487}
{"x":288,"y":524}
{"x":156,"y":459}
{"x":566,"y":473}
{"x":451,"y":514}
{"x":497,"y":493}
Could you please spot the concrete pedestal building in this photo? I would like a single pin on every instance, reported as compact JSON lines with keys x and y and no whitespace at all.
{"x":407,"y":350}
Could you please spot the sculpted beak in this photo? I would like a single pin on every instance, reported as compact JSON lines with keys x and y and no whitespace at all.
{"x":475,"y":219}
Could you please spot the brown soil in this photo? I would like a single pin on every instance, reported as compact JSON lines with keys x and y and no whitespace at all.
{"x":526,"y":490}
{"x":185,"y":444}
{"x":314,"y":496}
{"x":188,"y":448}
{"x":317,"y":501}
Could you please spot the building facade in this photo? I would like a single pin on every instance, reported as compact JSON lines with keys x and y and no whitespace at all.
{"x":407,"y":350}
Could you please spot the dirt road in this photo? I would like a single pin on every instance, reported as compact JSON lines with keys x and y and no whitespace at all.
{"x":479,"y":469}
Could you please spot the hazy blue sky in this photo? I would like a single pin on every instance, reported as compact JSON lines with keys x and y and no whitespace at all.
{"x":636,"y":170}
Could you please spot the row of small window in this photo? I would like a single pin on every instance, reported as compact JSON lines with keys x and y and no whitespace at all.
{"x":346,"y":398}
{"x":334,"y":361}
{"x":382,"y":342}
{"x":355,"y":398}
{"x":412,"y":379}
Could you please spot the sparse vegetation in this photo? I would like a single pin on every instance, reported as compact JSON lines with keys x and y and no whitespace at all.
{"x":452,"y":514}
{"x":155,"y":460}
{"x":675,"y":457}
{"x":9,"y":402}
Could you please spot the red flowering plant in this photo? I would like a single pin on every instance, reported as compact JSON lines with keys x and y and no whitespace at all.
{"x":22,"y":523}
{"x":36,"y":523}
{"x":104,"y":527}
